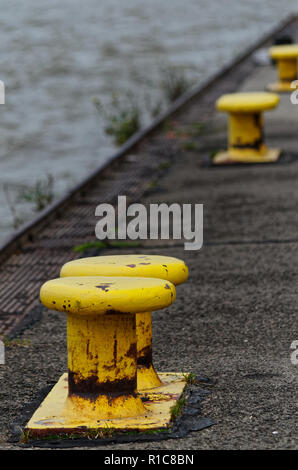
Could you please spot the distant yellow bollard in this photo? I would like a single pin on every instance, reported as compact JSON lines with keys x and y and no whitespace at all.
{"x":100,"y":389}
{"x":246,"y":143}
{"x":286,"y":60}
{"x":154,"y":266}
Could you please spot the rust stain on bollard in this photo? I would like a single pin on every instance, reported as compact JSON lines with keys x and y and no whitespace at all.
{"x":286,"y":60}
{"x":246,"y":143}
{"x":147,"y":266}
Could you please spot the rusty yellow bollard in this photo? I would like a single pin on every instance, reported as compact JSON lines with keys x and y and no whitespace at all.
{"x":102,"y":356}
{"x":246,"y":143}
{"x":286,"y":60}
{"x":153,"y":266}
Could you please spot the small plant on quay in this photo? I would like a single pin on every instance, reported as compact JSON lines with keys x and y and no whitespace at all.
{"x":124,"y":113}
{"x":190,"y":378}
{"x":40,"y":194}
{"x":103,"y":433}
{"x":17,"y":220}
{"x":174,"y":82}
{"x":24,"y":436}
{"x":177,"y":409}
{"x":106,"y":244}
{"x":122,"y":117}
{"x":22,"y":343}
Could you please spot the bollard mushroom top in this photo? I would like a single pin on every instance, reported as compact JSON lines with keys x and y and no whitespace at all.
{"x":284,"y":51}
{"x":248,"y":102}
{"x":154,"y":266}
{"x":99,"y":295}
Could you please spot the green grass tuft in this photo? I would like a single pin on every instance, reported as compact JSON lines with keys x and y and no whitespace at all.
{"x":122,"y":117}
{"x":105,"y":244}
{"x":190,"y":378}
{"x":21,"y":343}
{"x":174,"y":82}
{"x":40,"y":194}
{"x":177,"y":409}
{"x":189,"y":146}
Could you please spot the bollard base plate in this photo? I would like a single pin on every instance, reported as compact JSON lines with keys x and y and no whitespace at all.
{"x":50,"y":418}
{"x":280,"y":87}
{"x":226,"y":158}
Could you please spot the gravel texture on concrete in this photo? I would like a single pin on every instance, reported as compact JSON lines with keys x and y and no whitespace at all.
{"x":235,"y":318}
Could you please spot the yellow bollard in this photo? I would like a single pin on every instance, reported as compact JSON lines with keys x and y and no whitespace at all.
{"x":154,"y":266}
{"x":286,"y":60}
{"x":246,"y":143}
{"x":99,"y":391}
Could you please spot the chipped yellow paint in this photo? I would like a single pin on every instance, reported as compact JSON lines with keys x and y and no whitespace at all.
{"x":94,"y":295}
{"x":56,"y":416}
{"x":154,"y":266}
{"x":102,"y":344}
{"x":140,"y":265}
{"x":102,"y":363}
{"x":286,"y":60}
{"x":147,"y":378}
{"x":246,"y":127}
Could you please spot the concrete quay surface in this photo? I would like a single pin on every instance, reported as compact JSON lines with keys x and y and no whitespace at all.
{"x":236,"y":317}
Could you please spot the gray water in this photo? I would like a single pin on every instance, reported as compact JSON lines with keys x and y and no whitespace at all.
{"x":57,"y":55}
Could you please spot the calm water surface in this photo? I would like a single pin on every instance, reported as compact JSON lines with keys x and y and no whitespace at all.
{"x":56,"y":56}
